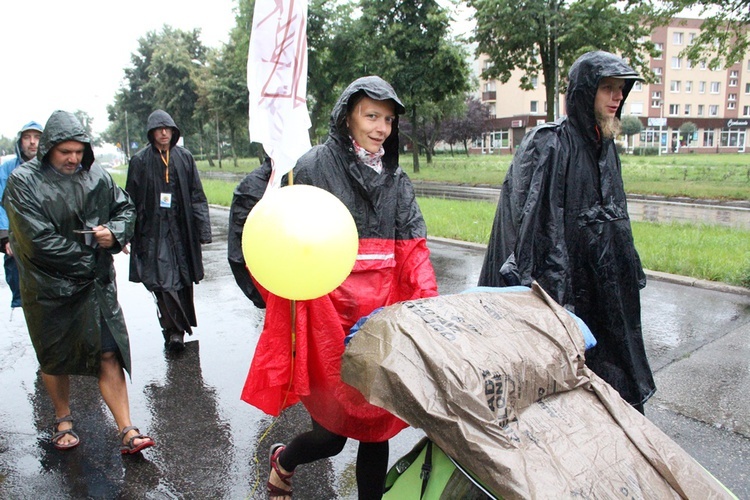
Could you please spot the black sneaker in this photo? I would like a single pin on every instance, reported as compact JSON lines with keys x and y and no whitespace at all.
{"x":176,"y":342}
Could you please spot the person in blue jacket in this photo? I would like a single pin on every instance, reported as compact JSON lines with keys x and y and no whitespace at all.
{"x":26,"y":148}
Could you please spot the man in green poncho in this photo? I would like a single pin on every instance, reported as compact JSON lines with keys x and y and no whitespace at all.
{"x":67,"y":218}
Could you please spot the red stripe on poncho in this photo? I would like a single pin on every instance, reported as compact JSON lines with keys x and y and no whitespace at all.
{"x":322,"y":325}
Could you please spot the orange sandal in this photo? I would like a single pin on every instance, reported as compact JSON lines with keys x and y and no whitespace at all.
{"x":273,"y":490}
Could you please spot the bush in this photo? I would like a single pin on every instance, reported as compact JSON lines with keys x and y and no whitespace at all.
{"x":650,"y":151}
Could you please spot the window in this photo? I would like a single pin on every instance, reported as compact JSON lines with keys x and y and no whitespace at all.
{"x":732,"y":97}
{"x":688,"y":86}
{"x":534,"y":106}
{"x":535,"y":81}
{"x":637,"y":86}
{"x":499,"y":139}
{"x":733,"y":74}
{"x":732,"y":82}
{"x":688,"y":108}
{"x":715,"y":86}
{"x":691,"y":38}
{"x":731,"y":105}
{"x":488,"y":64}
{"x":700,"y":109}
{"x":650,"y":137}
{"x":745,"y":110}
{"x":674,"y":109}
{"x":702,"y":64}
{"x":677,"y":37}
{"x":657,"y":72}
{"x":489,"y":86}
{"x":748,"y":64}
{"x":636,"y":108}
{"x":713,"y":110}
{"x":660,"y":49}
{"x":676,"y":63}
{"x":733,"y":137}
{"x":747,"y":88}
{"x":688,"y":64}
{"x":656,"y":99}
{"x":702,"y":87}
{"x":674,"y":86}
{"x":708,"y":138}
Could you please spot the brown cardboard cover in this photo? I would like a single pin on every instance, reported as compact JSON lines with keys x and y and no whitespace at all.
{"x":498,"y":381}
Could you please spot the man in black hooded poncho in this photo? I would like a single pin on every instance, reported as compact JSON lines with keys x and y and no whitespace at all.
{"x":562,"y":220}
{"x":172,"y":222}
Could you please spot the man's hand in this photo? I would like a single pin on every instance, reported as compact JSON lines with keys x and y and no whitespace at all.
{"x":8,"y":251}
{"x":104,"y":237}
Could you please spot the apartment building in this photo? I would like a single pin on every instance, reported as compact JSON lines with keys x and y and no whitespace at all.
{"x":717,"y":102}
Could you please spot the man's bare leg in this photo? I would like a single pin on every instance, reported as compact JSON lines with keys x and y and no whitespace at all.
{"x":58,"y":388}
{"x":114,"y":390}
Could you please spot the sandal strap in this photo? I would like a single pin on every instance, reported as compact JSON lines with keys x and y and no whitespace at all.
{"x":274,"y":491}
{"x":127,"y":429}
{"x":66,"y":418}
{"x":284,"y":476}
{"x":57,"y":435}
{"x":137,"y":436}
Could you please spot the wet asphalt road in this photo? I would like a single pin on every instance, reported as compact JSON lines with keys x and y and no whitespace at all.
{"x":698,"y":342}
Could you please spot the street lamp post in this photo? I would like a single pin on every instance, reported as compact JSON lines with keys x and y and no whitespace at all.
{"x":661,"y":123}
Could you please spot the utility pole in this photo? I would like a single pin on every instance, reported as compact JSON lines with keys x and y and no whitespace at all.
{"x":218,"y":139}
{"x":127,"y":136}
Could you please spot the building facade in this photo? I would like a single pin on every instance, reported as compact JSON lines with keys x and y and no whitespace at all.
{"x":716,"y":102}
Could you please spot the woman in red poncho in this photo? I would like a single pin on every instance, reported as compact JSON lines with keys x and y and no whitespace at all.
{"x":359,"y":164}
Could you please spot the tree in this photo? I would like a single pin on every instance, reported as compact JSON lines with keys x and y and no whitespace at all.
{"x":547,"y":36}
{"x":687,"y":130}
{"x":407,"y":43}
{"x":334,"y":59}
{"x":471,"y":124}
{"x":162,"y":75}
{"x":724,"y":38}
{"x":432,"y":120}
{"x":631,"y":125}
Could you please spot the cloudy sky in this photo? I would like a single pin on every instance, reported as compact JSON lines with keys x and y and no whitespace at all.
{"x":70,"y":54}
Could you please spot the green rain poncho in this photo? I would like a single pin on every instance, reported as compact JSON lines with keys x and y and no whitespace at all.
{"x":67,"y":281}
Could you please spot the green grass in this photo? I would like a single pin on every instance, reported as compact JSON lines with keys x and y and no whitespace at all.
{"x":713,"y":253}
{"x":699,"y":251}
{"x":702,"y":176}
{"x":458,"y":220}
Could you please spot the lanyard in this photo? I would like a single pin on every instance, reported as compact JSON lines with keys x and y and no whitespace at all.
{"x":166,"y":164}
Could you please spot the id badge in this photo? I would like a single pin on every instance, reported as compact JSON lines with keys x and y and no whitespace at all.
{"x":165,"y":200}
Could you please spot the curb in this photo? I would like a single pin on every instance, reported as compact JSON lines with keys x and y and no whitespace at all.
{"x":655,"y":275}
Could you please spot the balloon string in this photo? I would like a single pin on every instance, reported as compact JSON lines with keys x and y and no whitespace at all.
{"x":293,"y":306}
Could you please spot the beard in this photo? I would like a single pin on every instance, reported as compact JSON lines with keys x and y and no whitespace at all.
{"x":610,"y":127}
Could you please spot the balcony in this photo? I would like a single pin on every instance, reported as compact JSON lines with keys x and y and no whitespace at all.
{"x":489,"y":96}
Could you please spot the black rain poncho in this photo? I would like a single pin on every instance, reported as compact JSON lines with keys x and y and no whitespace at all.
{"x":166,"y":248}
{"x":68,"y":286}
{"x":562,"y":220}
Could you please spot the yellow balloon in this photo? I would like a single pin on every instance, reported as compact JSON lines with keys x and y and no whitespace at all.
{"x":300,"y":242}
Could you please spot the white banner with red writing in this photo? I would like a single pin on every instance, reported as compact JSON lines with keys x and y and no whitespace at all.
{"x":277,"y":82}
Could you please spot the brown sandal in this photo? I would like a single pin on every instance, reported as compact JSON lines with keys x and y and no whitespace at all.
{"x":273,"y":490}
{"x":57,"y":434}
{"x":129,"y":448}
